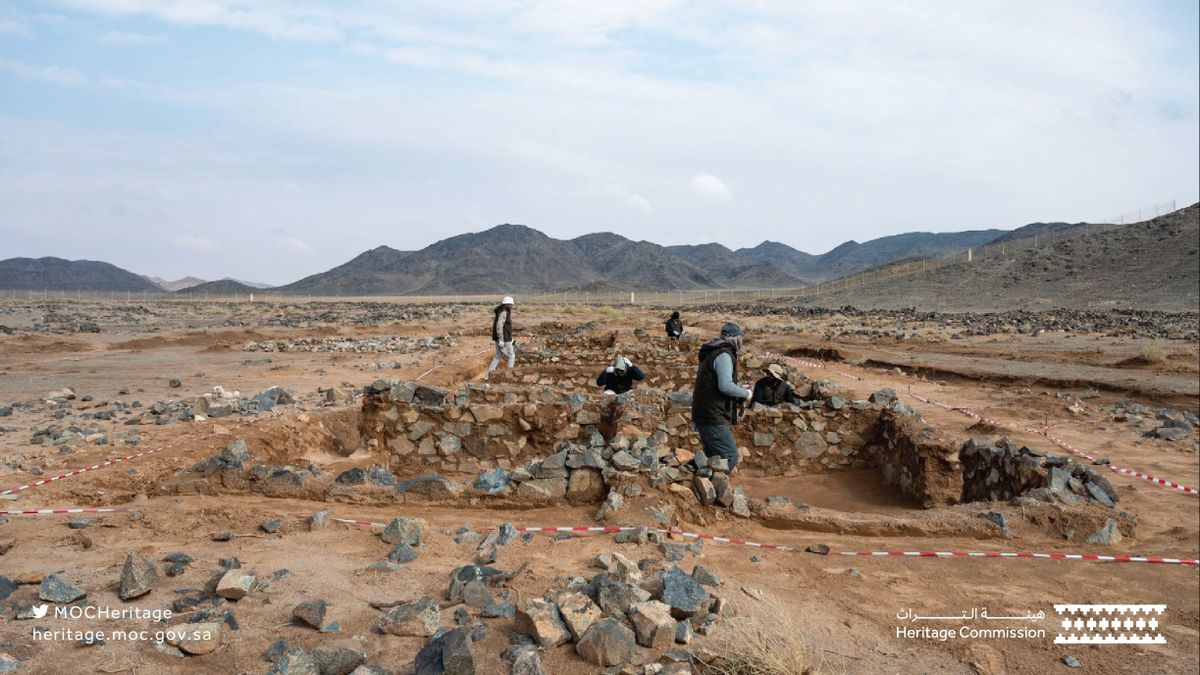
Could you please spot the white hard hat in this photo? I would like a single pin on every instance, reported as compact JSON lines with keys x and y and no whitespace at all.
{"x":506,"y":300}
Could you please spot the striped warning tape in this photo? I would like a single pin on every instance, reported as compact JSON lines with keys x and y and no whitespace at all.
{"x":117,"y":460}
{"x":865,"y":554}
{"x":443,"y":365}
{"x":1023,"y":554}
{"x":1045,"y":431}
{"x":814,"y":364}
{"x":50,"y":512}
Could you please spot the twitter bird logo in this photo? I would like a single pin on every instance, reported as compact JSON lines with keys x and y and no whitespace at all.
{"x":39,"y":610}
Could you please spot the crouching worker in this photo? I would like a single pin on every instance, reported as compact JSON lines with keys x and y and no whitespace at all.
{"x":773,"y":388}
{"x":716,"y":396}
{"x":618,"y":378}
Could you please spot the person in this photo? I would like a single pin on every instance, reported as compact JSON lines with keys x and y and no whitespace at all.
{"x":502,"y":334}
{"x":716,"y":396}
{"x":674,"y":326}
{"x":773,"y":388}
{"x":619,"y":377}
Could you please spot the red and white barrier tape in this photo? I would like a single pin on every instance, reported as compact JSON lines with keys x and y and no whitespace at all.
{"x":864,"y":554}
{"x":1023,"y":554}
{"x":115,"y":460}
{"x":50,"y":512}
{"x":814,"y":364}
{"x":1045,"y":431}
{"x":443,"y":365}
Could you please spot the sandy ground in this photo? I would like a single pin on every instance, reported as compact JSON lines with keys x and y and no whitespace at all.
{"x":846,"y":606}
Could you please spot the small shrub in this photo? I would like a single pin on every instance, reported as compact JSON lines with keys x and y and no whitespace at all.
{"x":1151,"y":354}
{"x":768,"y":642}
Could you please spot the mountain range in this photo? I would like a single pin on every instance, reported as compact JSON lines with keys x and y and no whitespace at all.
{"x":518,"y":259}
{"x":1154,"y":264}
{"x":522,"y":259}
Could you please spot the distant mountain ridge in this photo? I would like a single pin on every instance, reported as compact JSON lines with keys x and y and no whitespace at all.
{"x":57,"y":274}
{"x":1151,"y":265}
{"x":177,"y":285}
{"x":520,"y":259}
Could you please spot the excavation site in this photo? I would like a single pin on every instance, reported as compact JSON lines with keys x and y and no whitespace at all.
{"x":344,"y":488}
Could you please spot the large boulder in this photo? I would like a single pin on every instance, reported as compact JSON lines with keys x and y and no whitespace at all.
{"x":540,"y":620}
{"x":653,"y":624}
{"x":586,"y":486}
{"x":404,"y":530}
{"x":607,"y":642}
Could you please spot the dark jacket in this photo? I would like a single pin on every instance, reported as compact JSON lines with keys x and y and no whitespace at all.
{"x":773,"y":391}
{"x":674,"y":327}
{"x":502,"y":328}
{"x":619,"y":382}
{"x":709,"y":405}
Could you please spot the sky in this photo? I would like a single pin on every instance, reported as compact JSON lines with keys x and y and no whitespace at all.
{"x":268,"y":140}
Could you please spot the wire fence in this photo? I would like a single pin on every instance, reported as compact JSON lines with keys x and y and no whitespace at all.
{"x":1015,"y":247}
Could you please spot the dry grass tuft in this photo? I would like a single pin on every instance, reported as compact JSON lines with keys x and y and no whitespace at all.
{"x":1152,"y":354}
{"x":768,"y":642}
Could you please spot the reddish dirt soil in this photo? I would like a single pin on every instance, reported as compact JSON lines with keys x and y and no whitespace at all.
{"x":847,"y":606}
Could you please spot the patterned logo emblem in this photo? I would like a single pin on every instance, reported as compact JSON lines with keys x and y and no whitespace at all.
{"x":1110,"y":624}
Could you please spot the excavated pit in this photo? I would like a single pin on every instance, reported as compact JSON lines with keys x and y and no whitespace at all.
{"x":543,"y":434}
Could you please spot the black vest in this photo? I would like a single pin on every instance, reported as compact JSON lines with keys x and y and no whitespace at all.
{"x":502,"y":330}
{"x":709,"y":405}
{"x":619,"y":382}
{"x":774,"y":391}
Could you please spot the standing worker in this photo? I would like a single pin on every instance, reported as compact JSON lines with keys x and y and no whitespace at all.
{"x":674,"y":326}
{"x":716,"y":396}
{"x":502,"y":335}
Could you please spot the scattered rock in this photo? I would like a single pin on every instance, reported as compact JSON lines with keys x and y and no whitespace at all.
{"x":235,"y":585}
{"x":541,"y":620}
{"x":1107,"y":535}
{"x":138,"y":576}
{"x":311,"y":613}
{"x":653,"y":625}
{"x":419,"y":618}
{"x":404,"y":530}
{"x":196,"y":638}
{"x":608,"y":642}
{"x":54,"y":589}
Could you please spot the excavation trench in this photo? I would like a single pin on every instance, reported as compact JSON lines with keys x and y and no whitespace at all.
{"x":543,"y":434}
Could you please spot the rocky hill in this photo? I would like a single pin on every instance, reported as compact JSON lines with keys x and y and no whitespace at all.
{"x":1149,"y":265}
{"x":177,"y":285}
{"x":221,"y":287}
{"x":852,"y":256}
{"x":515,"y":258}
{"x":56,"y":274}
{"x":1035,"y":230}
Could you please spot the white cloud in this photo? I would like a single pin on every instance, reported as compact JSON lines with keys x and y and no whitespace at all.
{"x":711,"y":187}
{"x":55,"y":74}
{"x":196,"y":243}
{"x":117,"y":37}
{"x":625,"y":196}
{"x":14,"y":27}
{"x":294,"y":244}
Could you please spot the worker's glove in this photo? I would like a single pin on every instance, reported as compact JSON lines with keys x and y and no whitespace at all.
{"x":608,"y":369}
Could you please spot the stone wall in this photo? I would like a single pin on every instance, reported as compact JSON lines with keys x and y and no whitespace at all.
{"x":483,"y":426}
{"x":997,"y":470}
{"x":916,"y":460}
